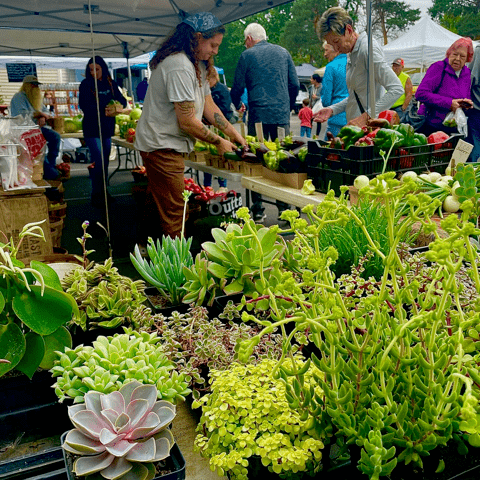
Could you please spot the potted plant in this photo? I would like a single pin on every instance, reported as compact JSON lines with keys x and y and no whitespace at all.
{"x":164,"y":271}
{"x":399,"y":355}
{"x":247,"y":424}
{"x":121,"y":435}
{"x":34,"y":311}
{"x":115,"y":360}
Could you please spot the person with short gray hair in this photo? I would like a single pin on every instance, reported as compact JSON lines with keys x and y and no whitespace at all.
{"x":336,"y":27}
{"x":256,"y":32}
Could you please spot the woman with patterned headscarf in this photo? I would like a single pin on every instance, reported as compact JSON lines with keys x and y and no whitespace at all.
{"x":177,"y":97}
{"x":446,"y":87}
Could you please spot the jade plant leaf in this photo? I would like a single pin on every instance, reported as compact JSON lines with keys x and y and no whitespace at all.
{"x":12,"y":346}
{"x":57,"y":341}
{"x":43,"y":314}
{"x":48,"y":273}
{"x":35,"y":346}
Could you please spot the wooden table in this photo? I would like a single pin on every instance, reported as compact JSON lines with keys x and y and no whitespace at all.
{"x":277,"y":191}
{"x":78,"y":135}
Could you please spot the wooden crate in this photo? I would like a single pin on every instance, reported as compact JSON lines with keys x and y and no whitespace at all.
{"x":252,"y":169}
{"x":218,"y":161}
{"x":201,"y":156}
{"x":235,"y":166}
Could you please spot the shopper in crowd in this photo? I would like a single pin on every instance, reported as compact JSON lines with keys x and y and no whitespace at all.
{"x":141,"y":90}
{"x":314,"y":94}
{"x":334,"y":87}
{"x":268,"y":73}
{"x":221,"y":97}
{"x":446,"y":87}
{"x":474,"y":113}
{"x":336,"y":27}
{"x":244,"y":106}
{"x":400,"y":106}
{"x":29,"y":102}
{"x":96,"y":96}
{"x":177,"y":98}
{"x":305,"y":115}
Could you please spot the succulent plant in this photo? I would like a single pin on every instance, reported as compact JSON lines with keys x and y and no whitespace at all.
{"x":165,"y":269}
{"x":105,"y":298}
{"x":114,"y":361}
{"x":120,"y":435}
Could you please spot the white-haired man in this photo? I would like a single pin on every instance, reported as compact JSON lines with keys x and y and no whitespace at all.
{"x":268,"y":73}
{"x":29,"y":102}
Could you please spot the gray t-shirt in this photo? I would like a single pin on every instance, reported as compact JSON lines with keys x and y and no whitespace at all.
{"x":357,"y":76}
{"x":173,"y":81}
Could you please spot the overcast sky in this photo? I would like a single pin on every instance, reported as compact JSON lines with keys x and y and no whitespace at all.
{"x":423,"y":5}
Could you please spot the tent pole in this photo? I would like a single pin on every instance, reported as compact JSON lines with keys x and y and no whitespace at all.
{"x":130,"y":82}
{"x":371,"y":71}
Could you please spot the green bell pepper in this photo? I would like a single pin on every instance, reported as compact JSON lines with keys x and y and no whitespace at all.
{"x":419,"y":139}
{"x":302,"y":153}
{"x":271,"y":160}
{"x":385,"y":137}
{"x":349,"y":134}
{"x":408,"y":134}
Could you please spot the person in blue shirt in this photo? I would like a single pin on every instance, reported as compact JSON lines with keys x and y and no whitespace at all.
{"x":334,"y":86}
{"x":29,"y":102}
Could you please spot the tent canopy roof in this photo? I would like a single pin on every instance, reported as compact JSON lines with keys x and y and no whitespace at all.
{"x":141,"y":23}
{"x":424,"y":43}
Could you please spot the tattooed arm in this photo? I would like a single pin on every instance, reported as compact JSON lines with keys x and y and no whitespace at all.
{"x":187,"y":121}
{"x":215,"y":116}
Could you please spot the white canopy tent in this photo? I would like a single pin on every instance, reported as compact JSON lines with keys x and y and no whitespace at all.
{"x":423,"y":44}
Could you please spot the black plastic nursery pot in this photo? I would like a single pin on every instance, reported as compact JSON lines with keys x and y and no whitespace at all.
{"x":31,"y":422}
{"x":174,"y":464}
{"x":154,"y":299}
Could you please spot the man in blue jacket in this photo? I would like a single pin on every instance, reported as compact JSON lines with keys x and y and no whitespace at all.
{"x":268,"y":73}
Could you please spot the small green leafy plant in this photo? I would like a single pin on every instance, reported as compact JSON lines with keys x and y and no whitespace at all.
{"x":114,"y":361}
{"x":196,"y":344}
{"x":32,"y":316}
{"x":105,"y":298}
{"x":247,"y":414}
{"x":120,"y":435}
{"x":165,"y":268}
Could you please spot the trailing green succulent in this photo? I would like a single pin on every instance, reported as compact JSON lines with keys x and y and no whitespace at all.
{"x":193,"y":342}
{"x":114,"y":361}
{"x":120,"y":435}
{"x":238,"y":261}
{"x":165,"y":268}
{"x":247,"y":414}
{"x":399,"y":354}
{"x":105,"y":298}
{"x":32,"y":316}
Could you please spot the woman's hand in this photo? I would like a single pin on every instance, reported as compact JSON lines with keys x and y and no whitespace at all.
{"x":225,"y":146}
{"x":111,"y":111}
{"x":323,"y":115}
{"x":360,"y":121}
{"x":465,"y":103}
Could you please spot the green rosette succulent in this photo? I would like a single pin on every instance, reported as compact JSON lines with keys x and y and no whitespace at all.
{"x":120,"y":435}
{"x":114,"y":361}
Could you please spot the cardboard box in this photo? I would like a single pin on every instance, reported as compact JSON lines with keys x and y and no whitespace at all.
{"x":19,"y":209}
{"x":292,"y":180}
{"x":252,"y":169}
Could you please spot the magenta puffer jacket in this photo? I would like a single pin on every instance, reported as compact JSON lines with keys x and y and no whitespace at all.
{"x":437,"y":105}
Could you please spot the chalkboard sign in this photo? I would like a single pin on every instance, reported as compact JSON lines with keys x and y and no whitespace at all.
{"x":17,"y":71}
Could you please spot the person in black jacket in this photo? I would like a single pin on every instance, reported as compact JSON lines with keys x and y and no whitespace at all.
{"x":98,"y":137}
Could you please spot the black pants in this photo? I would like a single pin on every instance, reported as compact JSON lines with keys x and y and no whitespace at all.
{"x":269,"y":132}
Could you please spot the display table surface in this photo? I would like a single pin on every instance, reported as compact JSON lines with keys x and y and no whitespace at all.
{"x":72,"y":135}
{"x":275,"y":190}
{"x":129,"y":155}
{"x":217,"y":172}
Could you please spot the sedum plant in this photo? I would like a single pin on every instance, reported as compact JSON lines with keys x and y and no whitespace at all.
{"x":400,"y":354}
{"x":105,"y":298}
{"x":165,"y":268}
{"x":120,"y":435}
{"x":247,"y":415}
{"x":33,"y":310}
{"x":196,"y":344}
{"x":114,"y":361}
{"x":237,"y":261}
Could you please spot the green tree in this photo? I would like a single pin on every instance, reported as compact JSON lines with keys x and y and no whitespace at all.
{"x":300,"y":37}
{"x":386,"y":19}
{"x":460,"y":15}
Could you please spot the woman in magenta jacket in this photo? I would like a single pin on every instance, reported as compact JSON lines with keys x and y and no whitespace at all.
{"x":446,"y":87}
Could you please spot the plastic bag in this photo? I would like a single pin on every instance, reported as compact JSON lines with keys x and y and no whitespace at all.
{"x":317,"y":107}
{"x":457,"y":120}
